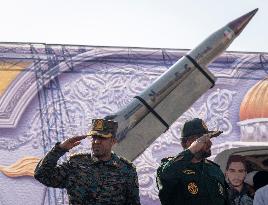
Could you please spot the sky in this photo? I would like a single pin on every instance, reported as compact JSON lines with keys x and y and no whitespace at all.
{"x":131,"y":23}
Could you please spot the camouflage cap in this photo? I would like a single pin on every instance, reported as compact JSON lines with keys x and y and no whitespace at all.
{"x":103,"y":128}
{"x":196,"y":127}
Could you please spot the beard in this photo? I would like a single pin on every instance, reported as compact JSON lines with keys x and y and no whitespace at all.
{"x":236,"y":183}
{"x":202,"y":154}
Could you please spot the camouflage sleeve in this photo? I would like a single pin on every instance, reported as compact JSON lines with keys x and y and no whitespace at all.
{"x":133,"y":197}
{"x":48,"y":172}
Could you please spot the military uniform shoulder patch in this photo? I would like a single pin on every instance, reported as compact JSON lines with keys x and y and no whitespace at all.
{"x":166,"y":159}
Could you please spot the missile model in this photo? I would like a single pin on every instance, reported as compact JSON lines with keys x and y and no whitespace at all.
{"x":151,"y":113}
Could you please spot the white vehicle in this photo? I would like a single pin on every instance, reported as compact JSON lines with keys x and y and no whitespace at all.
{"x":256,"y":157}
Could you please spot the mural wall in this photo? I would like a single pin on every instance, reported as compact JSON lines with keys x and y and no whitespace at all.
{"x":51,"y":92}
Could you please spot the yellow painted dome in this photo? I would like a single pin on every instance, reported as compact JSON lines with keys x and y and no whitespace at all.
{"x":255,"y":102}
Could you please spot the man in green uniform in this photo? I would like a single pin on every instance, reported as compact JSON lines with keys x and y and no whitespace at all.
{"x":99,"y":178}
{"x":189,"y":178}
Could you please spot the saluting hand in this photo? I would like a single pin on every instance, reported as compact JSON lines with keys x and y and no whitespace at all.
{"x":201,"y":144}
{"x":72,"y":142}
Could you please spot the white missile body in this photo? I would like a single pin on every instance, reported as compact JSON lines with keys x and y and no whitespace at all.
{"x":157,"y":107}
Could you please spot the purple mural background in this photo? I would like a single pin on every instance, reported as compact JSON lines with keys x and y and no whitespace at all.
{"x":78,"y":83}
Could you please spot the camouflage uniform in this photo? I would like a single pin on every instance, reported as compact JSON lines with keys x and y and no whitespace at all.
{"x":184,"y":183}
{"x":89,"y":180}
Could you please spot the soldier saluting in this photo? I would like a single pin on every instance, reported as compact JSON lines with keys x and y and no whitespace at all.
{"x":99,"y":178}
{"x":189,"y":178}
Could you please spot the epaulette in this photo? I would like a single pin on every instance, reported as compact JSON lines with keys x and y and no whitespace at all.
{"x":166,"y":159}
{"x":126,"y":161}
{"x":211,"y":162}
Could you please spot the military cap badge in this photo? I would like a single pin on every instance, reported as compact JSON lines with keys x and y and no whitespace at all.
{"x":103,"y":128}
{"x":98,"y":125}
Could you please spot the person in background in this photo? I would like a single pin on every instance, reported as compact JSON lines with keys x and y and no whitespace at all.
{"x":260,"y":181}
{"x":261,"y":196}
{"x":236,"y":171}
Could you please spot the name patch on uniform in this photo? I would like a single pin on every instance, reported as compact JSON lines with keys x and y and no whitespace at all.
{"x":188,"y":171}
{"x":193,"y":188}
